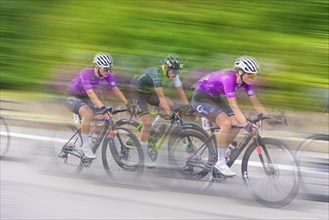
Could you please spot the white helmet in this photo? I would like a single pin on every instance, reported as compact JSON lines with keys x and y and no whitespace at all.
{"x":174,"y":61}
{"x":103,"y":60}
{"x":247,"y":64}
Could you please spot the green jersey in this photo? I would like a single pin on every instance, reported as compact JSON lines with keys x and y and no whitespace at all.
{"x":155,"y":77}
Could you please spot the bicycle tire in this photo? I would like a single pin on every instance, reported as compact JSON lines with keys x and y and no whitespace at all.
{"x":268,"y":188}
{"x":5,"y":138}
{"x":191,"y":126}
{"x":71,"y":165}
{"x":313,"y":158}
{"x":136,"y":128}
{"x":182,"y":147}
{"x":122,"y":155}
{"x":130,"y":124}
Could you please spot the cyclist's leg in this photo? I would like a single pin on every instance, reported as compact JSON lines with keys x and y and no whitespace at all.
{"x":146,"y":121}
{"x":153,"y":100}
{"x":143,"y":114}
{"x":234,"y":121}
{"x":234,"y":132}
{"x":83,"y":107}
{"x":212,"y":108}
{"x":223,"y":136}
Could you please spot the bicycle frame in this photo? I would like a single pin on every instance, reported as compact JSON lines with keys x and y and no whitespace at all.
{"x":106,"y":130}
{"x":263,"y":162}
{"x":255,"y":136}
{"x":169,"y":131}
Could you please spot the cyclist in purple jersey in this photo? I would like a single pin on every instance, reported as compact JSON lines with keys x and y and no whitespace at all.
{"x":83,"y":99}
{"x":87,"y":80}
{"x":207,"y":99}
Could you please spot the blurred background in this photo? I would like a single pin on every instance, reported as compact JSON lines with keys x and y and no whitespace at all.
{"x":45,"y":43}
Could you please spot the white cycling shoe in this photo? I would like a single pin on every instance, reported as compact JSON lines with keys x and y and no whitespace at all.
{"x":87,"y":151}
{"x":225,"y":170}
{"x":148,"y":162}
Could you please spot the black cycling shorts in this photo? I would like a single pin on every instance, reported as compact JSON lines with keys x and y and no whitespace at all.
{"x":210,"y":106}
{"x":143,"y":99}
{"x":75,"y":102}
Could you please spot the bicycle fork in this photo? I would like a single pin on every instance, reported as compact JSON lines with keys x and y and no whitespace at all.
{"x":261,"y":150}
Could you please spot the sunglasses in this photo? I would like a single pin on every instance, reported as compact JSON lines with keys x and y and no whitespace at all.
{"x":107,"y":69}
{"x":175,"y":71}
{"x":251,"y":76}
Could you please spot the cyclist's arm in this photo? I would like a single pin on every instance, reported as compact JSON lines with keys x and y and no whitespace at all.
{"x":237,"y":111}
{"x":120,"y":95}
{"x":94,"y":98}
{"x":163,"y":101}
{"x":257,"y":105}
{"x":182,"y":95}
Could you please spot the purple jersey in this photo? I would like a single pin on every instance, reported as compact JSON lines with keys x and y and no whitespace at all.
{"x":222,"y":82}
{"x":87,"y":80}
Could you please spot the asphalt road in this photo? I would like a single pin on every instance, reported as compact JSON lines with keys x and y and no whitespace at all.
{"x":30,"y":189}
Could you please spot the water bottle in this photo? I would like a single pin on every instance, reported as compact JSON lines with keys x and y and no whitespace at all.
{"x":153,"y":136}
{"x":228,"y":152}
{"x":205,"y":123}
{"x":94,"y":136}
{"x":76,"y":118}
{"x":230,"y":149}
{"x":162,"y":130}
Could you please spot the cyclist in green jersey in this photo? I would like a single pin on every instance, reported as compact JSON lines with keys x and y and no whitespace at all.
{"x":149,"y":89}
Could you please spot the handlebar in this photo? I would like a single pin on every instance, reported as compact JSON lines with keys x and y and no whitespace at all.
{"x":273,"y":120}
{"x":113,"y":112}
{"x":118,"y":111}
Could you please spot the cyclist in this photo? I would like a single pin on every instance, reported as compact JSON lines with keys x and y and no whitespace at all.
{"x":83,"y":99}
{"x":149,"y":89}
{"x":208,"y":100}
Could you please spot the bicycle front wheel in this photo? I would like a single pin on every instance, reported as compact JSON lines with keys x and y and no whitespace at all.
{"x":5,"y":138}
{"x":271,"y":173}
{"x":122,"y":155}
{"x":66,"y":143}
{"x":313,"y":157}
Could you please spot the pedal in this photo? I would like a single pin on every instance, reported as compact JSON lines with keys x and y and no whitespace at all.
{"x":152,"y":153}
{"x":86,"y":162}
{"x":217,"y":176}
{"x":187,"y":169}
{"x":62,"y":155}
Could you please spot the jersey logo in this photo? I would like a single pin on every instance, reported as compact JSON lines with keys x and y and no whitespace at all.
{"x":238,"y":86}
{"x":200,"y":109}
{"x":250,"y":92}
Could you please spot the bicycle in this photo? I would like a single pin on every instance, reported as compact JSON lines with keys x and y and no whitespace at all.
{"x":5,"y":138}
{"x":264,"y":161}
{"x":313,"y":157}
{"x":117,"y":154}
{"x":159,"y":134}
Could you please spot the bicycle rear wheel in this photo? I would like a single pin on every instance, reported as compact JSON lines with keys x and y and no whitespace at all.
{"x":132,"y":125}
{"x":313,"y":157}
{"x":275,"y":181}
{"x":5,"y":138}
{"x":65,"y":149}
{"x":191,"y":157}
{"x":122,"y":156}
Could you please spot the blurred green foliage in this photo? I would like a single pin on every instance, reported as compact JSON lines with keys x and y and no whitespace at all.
{"x":289,"y":38}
